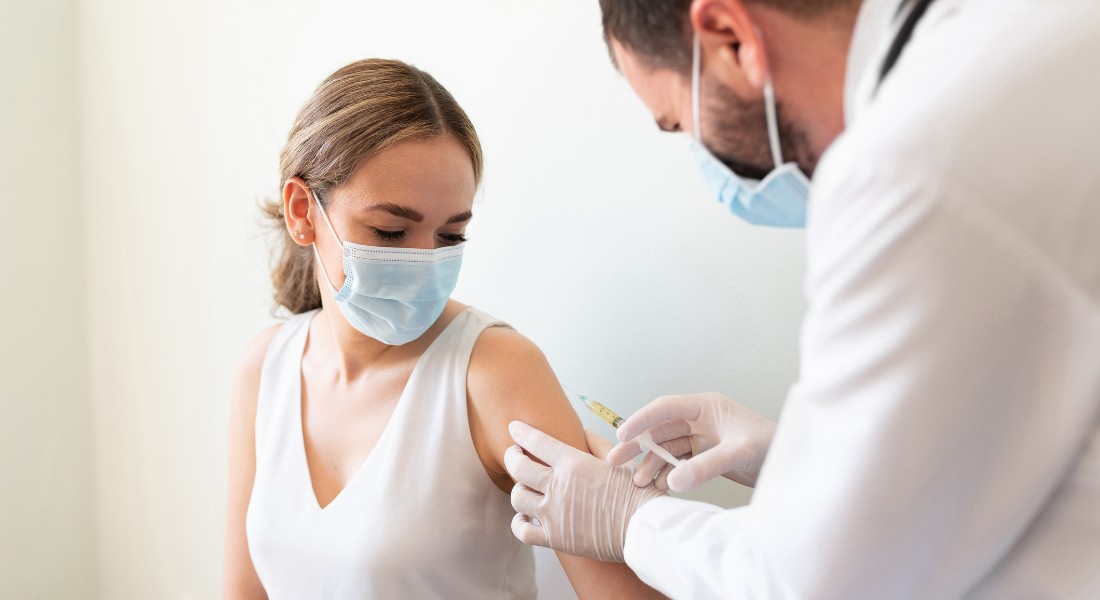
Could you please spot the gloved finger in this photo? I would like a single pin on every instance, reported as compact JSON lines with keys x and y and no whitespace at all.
{"x":623,"y":452}
{"x":699,"y":469}
{"x":661,"y":410}
{"x":652,"y":464}
{"x":525,"y":500}
{"x":526,"y":471}
{"x":670,"y":430}
{"x":661,"y":480}
{"x":650,"y":467}
{"x":598,"y":445}
{"x":527,"y":532}
{"x":543,"y":447}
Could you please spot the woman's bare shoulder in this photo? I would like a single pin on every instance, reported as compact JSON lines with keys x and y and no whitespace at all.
{"x":252,"y":357}
{"x":511,"y":379}
{"x":246,"y":375}
{"x":502,"y":351}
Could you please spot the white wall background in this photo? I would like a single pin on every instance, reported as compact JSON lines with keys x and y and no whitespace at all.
{"x":593,"y":235}
{"x":46,"y":507}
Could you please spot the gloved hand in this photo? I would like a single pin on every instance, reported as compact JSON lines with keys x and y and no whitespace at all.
{"x":713,"y":434}
{"x":578,"y":504}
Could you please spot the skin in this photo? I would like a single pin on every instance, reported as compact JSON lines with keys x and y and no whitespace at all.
{"x":807,"y":59}
{"x":351,"y":382}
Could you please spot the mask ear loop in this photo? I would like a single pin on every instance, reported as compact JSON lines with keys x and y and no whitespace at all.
{"x":772,"y":114}
{"x":773,"y":121}
{"x":321,"y":209}
{"x":696,"y":69}
{"x":774,"y":143}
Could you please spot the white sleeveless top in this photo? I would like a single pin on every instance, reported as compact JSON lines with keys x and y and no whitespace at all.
{"x":420,"y":519}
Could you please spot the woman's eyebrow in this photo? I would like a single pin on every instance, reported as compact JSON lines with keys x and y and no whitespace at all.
{"x":397,"y":210}
{"x":461,"y":217}
{"x":413,"y":215}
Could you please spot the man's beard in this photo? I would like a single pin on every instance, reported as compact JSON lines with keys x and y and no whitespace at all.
{"x":736,"y":132}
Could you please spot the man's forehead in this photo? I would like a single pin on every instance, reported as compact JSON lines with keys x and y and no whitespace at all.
{"x":660,"y":89}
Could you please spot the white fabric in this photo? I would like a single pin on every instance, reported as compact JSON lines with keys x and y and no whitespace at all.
{"x":944,"y":438}
{"x":874,"y":32}
{"x":420,"y":519}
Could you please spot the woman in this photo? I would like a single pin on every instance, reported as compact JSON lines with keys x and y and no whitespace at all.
{"x":368,"y":431}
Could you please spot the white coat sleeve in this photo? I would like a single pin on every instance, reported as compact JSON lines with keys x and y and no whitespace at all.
{"x":934,"y":414}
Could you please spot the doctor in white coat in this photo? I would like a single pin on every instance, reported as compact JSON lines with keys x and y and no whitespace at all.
{"x":943,"y":438}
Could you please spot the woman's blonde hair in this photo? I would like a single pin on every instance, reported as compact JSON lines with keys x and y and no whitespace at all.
{"x":357,"y":112}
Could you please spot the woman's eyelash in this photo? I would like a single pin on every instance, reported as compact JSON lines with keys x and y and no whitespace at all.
{"x":393,"y":236}
{"x":389,"y":236}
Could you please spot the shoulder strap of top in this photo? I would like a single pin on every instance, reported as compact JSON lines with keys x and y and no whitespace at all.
{"x":281,"y":373}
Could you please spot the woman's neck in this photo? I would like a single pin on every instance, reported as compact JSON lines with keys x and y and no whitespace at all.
{"x":349,"y":350}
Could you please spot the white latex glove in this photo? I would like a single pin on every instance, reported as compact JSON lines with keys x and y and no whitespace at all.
{"x":578,"y":504}
{"x":711,"y":433}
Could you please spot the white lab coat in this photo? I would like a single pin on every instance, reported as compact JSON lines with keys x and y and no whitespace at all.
{"x":943,"y":439}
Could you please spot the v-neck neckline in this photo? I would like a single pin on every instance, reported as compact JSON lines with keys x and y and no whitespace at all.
{"x":383,"y":437}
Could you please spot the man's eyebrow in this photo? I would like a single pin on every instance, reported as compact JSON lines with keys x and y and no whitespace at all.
{"x":398,"y":211}
{"x":461,"y":217}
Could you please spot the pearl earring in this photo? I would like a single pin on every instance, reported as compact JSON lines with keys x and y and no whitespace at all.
{"x":301,"y":235}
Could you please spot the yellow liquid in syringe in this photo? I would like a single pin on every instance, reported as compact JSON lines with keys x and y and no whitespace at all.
{"x":645,"y":440}
{"x":603,"y":412}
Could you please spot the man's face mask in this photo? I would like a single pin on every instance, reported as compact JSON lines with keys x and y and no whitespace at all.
{"x":778,"y":200}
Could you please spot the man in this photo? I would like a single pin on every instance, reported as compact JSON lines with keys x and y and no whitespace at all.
{"x":943,"y":439}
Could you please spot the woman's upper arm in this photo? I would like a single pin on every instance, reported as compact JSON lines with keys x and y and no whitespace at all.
{"x":510,"y":380}
{"x":241,"y":580}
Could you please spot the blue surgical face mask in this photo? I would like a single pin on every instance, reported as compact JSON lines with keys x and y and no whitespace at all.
{"x":393,"y":294}
{"x":779,"y":200}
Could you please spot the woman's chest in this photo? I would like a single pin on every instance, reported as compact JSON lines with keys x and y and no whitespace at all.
{"x":342,"y":426}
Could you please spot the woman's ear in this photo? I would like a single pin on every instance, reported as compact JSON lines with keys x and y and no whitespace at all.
{"x":296,"y":200}
{"x":730,"y":40}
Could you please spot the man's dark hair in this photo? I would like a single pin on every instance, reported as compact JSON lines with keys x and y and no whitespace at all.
{"x":658,"y":32}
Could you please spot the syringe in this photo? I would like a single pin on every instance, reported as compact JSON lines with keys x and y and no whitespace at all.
{"x":644,"y":440}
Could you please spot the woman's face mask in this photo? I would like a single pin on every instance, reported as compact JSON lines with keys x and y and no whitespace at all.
{"x":393,"y":295}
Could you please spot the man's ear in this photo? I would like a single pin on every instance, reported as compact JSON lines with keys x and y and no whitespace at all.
{"x":296,"y":211}
{"x":727,"y":31}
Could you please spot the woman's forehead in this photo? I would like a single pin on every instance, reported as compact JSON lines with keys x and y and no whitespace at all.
{"x":431,"y":177}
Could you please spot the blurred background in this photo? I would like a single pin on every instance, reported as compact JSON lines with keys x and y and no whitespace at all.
{"x":141,"y":136}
